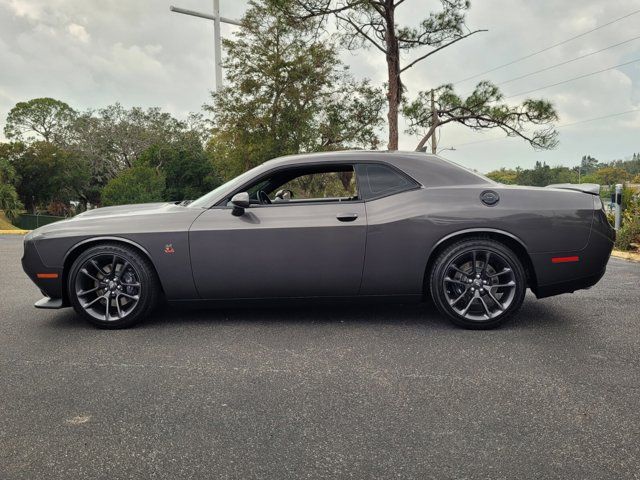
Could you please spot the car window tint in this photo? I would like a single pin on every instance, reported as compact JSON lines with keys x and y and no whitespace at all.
{"x":323,"y":185}
{"x":383,"y":180}
{"x":300,"y":184}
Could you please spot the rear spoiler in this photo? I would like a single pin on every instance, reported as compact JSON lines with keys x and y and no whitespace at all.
{"x":592,"y":188}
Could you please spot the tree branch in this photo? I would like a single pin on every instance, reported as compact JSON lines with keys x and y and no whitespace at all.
{"x":320,"y":12}
{"x":362,"y":32}
{"x":378,"y":6}
{"x":419,"y":59}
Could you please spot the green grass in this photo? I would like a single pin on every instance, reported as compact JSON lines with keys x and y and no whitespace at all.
{"x":5,"y":224}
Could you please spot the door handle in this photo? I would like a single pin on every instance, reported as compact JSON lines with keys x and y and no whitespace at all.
{"x":347,"y":217}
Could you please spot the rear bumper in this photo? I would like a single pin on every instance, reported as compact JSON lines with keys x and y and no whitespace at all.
{"x":586,"y":269}
{"x":569,"y":286}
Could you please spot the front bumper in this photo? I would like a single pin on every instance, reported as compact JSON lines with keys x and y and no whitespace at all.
{"x":51,"y":283}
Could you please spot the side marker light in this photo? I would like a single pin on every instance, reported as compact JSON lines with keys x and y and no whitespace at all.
{"x":565,"y":259}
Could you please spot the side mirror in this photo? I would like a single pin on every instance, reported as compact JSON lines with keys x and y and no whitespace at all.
{"x":239,"y":201}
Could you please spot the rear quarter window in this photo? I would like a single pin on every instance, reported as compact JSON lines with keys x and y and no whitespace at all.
{"x":378,"y":180}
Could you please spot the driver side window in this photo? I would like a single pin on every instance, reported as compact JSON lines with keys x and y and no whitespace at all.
{"x":322,"y":185}
{"x":317,"y":183}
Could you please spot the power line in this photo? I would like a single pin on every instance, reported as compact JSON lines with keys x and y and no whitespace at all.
{"x":547,"y":48}
{"x":598,"y":118}
{"x":574,"y":78}
{"x":568,"y":61}
{"x":559,"y":126}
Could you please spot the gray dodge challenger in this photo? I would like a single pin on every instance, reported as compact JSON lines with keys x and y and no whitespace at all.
{"x":333,"y":225}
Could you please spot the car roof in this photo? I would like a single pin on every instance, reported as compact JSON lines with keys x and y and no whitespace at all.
{"x":346,"y":155}
{"x":428,"y":169}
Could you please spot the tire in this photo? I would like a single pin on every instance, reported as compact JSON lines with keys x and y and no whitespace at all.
{"x":477,"y":298}
{"x":111,"y":297}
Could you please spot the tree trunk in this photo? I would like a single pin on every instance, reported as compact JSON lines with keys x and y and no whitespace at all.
{"x":393,"y":72}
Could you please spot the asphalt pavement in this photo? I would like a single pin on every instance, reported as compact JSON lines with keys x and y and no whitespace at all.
{"x":341,"y":391}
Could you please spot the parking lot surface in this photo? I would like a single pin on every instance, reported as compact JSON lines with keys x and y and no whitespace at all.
{"x":340,"y":391}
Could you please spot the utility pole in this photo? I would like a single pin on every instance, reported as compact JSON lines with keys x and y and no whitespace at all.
{"x":580,"y":171}
{"x":434,"y":124}
{"x":217,"y":39}
{"x":431,"y":134}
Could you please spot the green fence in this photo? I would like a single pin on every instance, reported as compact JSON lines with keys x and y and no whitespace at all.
{"x":31,"y":222}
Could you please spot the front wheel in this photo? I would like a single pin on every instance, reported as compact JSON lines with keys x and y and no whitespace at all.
{"x":112,"y":286}
{"x":477,"y":283}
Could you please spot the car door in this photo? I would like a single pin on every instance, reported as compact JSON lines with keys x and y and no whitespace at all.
{"x":280,"y":250}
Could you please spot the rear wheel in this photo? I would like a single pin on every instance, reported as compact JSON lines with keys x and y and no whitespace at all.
{"x":477,"y":283}
{"x":112,"y":286}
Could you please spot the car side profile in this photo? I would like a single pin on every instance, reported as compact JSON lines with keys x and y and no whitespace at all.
{"x":330,"y":225}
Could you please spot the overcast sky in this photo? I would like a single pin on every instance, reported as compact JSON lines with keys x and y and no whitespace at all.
{"x":92,"y":53}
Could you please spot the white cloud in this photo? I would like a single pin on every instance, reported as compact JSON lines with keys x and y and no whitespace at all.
{"x":24,"y":8}
{"x":79,"y":32}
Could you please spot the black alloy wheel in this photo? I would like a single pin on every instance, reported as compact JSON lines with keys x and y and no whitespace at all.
{"x":478,"y":283}
{"x":112,"y":286}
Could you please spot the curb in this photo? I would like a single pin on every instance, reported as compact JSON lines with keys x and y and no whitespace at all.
{"x":634,"y":257}
{"x":14,"y":232}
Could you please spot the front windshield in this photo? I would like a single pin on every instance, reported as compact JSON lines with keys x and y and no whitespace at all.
{"x":207,"y":199}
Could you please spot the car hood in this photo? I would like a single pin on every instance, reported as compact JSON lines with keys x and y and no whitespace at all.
{"x":120,"y":210}
{"x":121,"y":221}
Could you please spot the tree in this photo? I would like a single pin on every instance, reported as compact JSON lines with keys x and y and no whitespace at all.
{"x":480,"y":111}
{"x":588,"y":165}
{"x":8,"y":174}
{"x":540,"y":176}
{"x":9,"y":201}
{"x":111,"y":139}
{"x":287,"y":92}
{"x":504,"y":175}
{"x":121,"y":135}
{"x":48,"y":174}
{"x":188,"y":171}
{"x":631,"y":166}
{"x":608,"y":176}
{"x":372,"y":23}
{"x":139,"y":184}
{"x":50,"y":119}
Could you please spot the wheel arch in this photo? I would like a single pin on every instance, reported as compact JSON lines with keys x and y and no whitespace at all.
{"x":76,"y":250}
{"x":508,"y":239}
